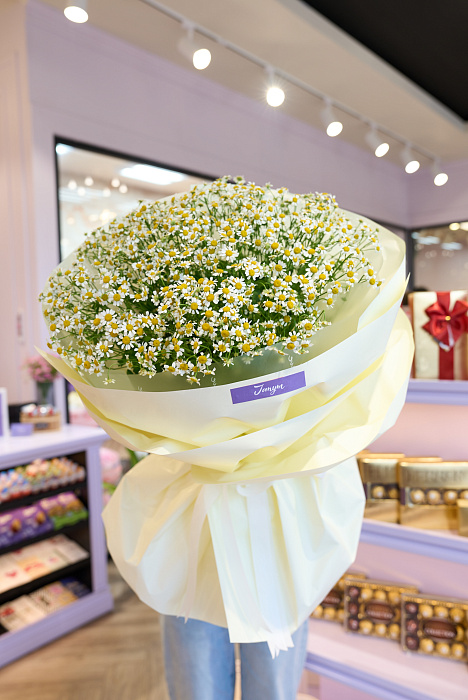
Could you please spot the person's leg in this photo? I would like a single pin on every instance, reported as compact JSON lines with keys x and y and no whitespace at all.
{"x":198,"y":659}
{"x":273,"y":679}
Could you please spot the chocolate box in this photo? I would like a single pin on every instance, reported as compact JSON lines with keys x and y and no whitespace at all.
{"x":429,"y":492}
{"x":435,"y":626}
{"x":462,"y":512}
{"x":380,"y":480}
{"x":332,"y":606}
{"x":373,"y":608}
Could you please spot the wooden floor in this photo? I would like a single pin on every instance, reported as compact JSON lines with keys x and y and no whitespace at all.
{"x":117,"y":657}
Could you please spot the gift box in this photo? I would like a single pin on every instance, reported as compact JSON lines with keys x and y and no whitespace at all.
{"x":380,"y":481}
{"x":462,"y":512}
{"x":373,"y":608}
{"x":429,"y":492}
{"x":435,"y":626}
{"x":440,"y":325}
{"x":332,"y":606}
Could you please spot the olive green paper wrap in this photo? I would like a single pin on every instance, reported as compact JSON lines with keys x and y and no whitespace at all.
{"x":246,"y":514}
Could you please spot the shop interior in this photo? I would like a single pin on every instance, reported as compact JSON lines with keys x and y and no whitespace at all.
{"x":103,"y":115}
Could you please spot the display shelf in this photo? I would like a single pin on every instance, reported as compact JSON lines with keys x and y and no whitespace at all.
{"x":438,"y":544}
{"x":34,"y":584}
{"x":380,"y":668}
{"x":81,"y":443}
{"x":15,"y":644}
{"x":15,"y":451}
{"x":67,"y":530}
{"x":438,"y":391}
{"x":32,"y":498}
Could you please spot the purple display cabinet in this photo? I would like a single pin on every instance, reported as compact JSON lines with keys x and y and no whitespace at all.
{"x":82,"y":442}
{"x":353,"y":667}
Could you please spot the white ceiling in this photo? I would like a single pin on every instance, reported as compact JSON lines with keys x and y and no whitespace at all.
{"x":292,"y":37}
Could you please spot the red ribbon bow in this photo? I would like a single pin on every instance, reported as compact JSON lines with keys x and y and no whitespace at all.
{"x":446,"y":326}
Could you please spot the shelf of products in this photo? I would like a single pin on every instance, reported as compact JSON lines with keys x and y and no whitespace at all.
{"x":380,"y":668}
{"x":438,"y":391}
{"x":353,"y":647}
{"x":54,"y":603}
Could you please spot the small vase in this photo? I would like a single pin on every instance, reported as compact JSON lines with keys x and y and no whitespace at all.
{"x":44,"y":392}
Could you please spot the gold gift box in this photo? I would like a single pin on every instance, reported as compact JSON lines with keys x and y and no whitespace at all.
{"x":435,"y":626}
{"x":380,"y":480}
{"x":332,"y":606}
{"x":429,"y":492}
{"x":373,"y":608}
{"x":462,"y":512}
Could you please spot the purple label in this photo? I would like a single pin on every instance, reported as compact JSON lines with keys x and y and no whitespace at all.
{"x":273,"y":387}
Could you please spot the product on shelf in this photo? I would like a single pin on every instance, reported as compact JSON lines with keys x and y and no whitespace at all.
{"x":41,"y":475}
{"x":429,"y":493}
{"x":23,"y":523}
{"x":58,"y":594}
{"x":39,"y":559}
{"x":380,"y":480}
{"x":20,"y":613}
{"x":435,"y":626}
{"x":440,"y":334}
{"x":373,"y":608}
{"x":332,"y":606}
{"x":28,"y":609}
{"x":64,"y":509}
{"x":462,"y":512}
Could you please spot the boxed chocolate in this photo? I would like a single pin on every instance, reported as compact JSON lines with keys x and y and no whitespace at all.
{"x":332,"y":606}
{"x":380,"y":479}
{"x":462,"y":512}
{"x":435,"y":626}
{"x":429,"y":492}
{"x":373,"y":608}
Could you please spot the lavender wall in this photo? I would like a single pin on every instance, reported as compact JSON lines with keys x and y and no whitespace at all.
{"x":91,"y":87}
{"x":430,"y":205}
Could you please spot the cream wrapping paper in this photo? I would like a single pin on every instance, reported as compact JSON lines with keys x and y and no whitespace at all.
{"x":237,"y":517}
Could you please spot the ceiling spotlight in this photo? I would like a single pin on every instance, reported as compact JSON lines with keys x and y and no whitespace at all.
{"x":329,"y":120}
{"x":188,"y":47}
{"x":77,"y":11}
{"x":275,"y":94}
{"x":410,"y":163}
{"x":88,"y":181}
{"x":455,"y":226}
{"x":378,"y":145}
{"x":115,"y":182}
{"x":440,"y":178}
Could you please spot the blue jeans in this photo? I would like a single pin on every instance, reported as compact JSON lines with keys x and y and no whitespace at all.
{"x":200,"y":665}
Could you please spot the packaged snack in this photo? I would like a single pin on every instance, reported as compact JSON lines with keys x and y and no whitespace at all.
{"x":332,"y":606}
{"x":429,"y":492}
{"x":435,"y":626}
{"x":373,"y":608}
{"x":380,"y":479}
